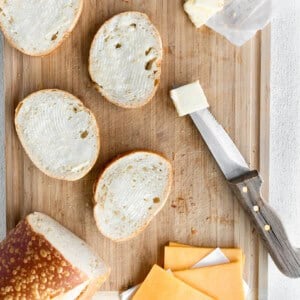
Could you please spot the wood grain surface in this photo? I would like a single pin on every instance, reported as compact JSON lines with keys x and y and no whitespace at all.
{"x":201,"y":209}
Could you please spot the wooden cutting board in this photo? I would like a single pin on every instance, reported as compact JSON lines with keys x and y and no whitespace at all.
{"x":201,"y":209}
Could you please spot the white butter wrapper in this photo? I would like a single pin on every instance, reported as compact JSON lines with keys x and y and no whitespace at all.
{"x":241,"y":19}
{"x":217,"y":257}
{"x":189,"y":98}
{"x":200,"y":11}
{"x":128,"y":294}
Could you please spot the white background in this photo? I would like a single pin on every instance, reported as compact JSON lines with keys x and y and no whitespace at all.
{"x":285,"y":136}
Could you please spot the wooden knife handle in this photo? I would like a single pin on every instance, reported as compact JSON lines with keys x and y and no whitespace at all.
{"x":248,"y":190}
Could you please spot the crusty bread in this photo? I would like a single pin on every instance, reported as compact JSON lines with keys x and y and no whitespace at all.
{"x":40,"y":259}
{"x":59,"y":134}
{"x":125,"y":59}
{"x":37,"y":27}
{"x":130,"y":192}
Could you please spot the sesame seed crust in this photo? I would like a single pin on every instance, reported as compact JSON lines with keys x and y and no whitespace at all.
{"x":31,"y":268}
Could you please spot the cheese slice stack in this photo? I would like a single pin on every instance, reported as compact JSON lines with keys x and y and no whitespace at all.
{"x":161,"y":285}
{"x":222,"y":281}
{"x":195,"y":273}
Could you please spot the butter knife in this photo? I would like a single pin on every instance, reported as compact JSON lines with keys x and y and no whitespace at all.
{"x":246,"y":185}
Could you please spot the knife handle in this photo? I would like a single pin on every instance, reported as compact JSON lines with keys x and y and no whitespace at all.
{"x":247,"y":188}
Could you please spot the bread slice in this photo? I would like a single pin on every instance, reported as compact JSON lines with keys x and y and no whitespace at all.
{"x":40,"y":259}
{"x":59,"y":134}
{"x":125,"y":59}
{"x":130,"y":192}
{"x":37,"y":27}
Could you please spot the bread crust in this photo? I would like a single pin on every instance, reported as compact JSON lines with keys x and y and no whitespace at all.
{"x":97,"y":133}
{"x":27,"y":253}
{"x":158,"y":62}
{"x":66,"y":35}
{"x":165,"y":198}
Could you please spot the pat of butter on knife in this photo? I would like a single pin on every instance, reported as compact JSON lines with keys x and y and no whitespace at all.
{"x":189,"y":98}
{"x":200,"y":11}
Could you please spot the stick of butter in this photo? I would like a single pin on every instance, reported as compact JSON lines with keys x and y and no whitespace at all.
{"x":200,"y":11}
{"x":189,"y":98}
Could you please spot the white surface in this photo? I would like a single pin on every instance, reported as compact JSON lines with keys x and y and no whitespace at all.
{"x":285,"y":136}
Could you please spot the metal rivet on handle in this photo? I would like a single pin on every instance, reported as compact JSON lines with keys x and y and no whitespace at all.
{"x":267,"y":227}
{"x":256,"y":208}
{"x":245,"y":189}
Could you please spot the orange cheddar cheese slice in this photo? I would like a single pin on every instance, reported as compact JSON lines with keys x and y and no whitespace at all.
{"x":222,"y":282}
{"x":161,"y":285}
{"x":181,"y":257}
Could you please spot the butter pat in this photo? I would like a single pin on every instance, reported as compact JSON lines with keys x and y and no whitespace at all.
{"x":189,"y":98}
{"x":200,"y":11}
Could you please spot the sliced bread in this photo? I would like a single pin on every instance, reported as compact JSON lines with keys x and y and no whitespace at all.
{"x":39,"y":260}
{"x":130,"y":192}
{"x":59,"y":134}
{"x":37,"y":27}
{"x":125,"y":59}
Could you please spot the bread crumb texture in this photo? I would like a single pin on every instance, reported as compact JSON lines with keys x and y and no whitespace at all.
{"x":125,"y":59}
{"x":37,"y":27}
{"x":130,"y":193}
{"x":30,"y":268}
{"x":59,"y":134}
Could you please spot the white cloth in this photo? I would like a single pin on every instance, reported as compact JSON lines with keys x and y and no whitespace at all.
{"x":285,"y":137}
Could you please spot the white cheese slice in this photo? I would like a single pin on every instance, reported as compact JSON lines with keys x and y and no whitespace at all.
{"x":200,"y":11}
{"x":189,"y":98}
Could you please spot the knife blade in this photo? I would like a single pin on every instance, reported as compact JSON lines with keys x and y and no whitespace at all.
{"x":225,"y":152}
{"x":246,"y":185}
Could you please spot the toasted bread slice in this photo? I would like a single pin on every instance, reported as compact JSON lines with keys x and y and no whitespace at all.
{"x":125,"y":59}
{"x":37,"y":27}
{"x":39,"y":260}
{"x":130,"y":192}
{"x":59,"y":134}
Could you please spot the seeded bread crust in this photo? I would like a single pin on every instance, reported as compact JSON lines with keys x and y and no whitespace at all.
{"x":32,"y":268}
